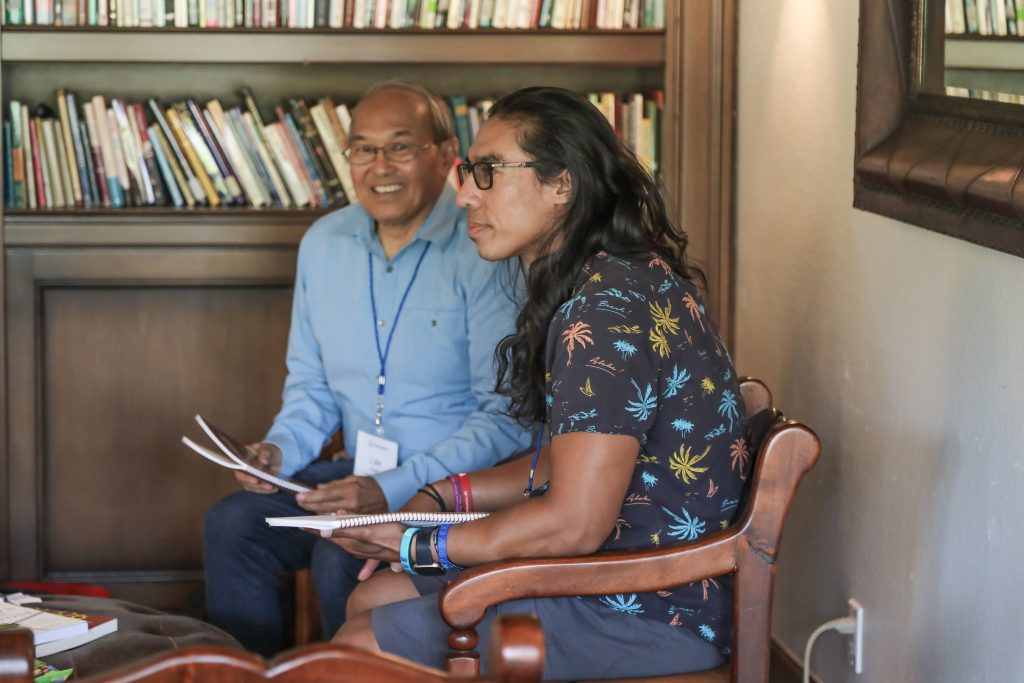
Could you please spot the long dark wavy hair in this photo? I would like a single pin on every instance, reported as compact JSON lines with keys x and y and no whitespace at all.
{"x":615,"y":206}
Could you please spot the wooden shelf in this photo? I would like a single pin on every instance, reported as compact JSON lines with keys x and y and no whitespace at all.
{"x":640,"y":48}
{"x":984,"y":52}
{"x":157,"y":227}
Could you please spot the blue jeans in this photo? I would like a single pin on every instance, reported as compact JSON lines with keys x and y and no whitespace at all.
{"x":243,"y":558}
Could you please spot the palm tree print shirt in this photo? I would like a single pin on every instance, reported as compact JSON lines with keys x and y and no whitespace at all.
{"x":633,"y":352}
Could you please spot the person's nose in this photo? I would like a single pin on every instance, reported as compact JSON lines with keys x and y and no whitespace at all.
{"x":468,"y":196}
{"x":380,"y":163}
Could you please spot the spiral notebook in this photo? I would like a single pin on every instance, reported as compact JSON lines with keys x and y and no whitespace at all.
{"x":235,"y":455}
{"x":327,"y":522}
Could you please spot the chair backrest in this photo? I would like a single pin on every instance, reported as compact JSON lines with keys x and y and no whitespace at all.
{"x":516,"y":657}
{"x":748,"y":548}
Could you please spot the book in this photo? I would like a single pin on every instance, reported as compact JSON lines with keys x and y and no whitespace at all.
{"x":235,"y":456}
{"x":45,"y":626}
{"x":44,"y":673}
{"x":333,"y":521}
{"x":99,"y":625}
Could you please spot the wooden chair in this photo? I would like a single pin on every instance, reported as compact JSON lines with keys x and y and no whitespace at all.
{"x":516,"y":657}
{"x":748,"y":548}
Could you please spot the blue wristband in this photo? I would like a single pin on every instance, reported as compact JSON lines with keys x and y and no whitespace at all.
{"x":404,"y":549}
{"x":442,"y":548}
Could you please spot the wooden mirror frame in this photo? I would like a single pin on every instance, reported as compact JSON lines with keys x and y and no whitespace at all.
{"x":947,"y":164}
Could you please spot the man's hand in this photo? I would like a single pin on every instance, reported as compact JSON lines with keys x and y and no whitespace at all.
{"x":351,"y":495}
{"x":262,"y":456}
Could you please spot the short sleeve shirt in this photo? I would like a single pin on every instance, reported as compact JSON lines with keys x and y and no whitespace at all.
{"x":633,"y":352}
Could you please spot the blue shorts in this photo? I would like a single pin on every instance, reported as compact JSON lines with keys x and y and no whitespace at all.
{"x":581,"y":640}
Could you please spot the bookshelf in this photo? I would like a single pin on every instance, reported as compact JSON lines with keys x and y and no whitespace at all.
{"x":121,"y":324}
{"x":985,"y":66}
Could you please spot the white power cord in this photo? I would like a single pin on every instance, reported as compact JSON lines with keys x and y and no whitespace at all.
{"x":846,"y":625}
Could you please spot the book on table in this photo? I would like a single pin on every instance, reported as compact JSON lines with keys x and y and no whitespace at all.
{"x":99,"y":625}
{"x":45,"y":626}
{"x":235,"y":456}
{"x":328,"y":522}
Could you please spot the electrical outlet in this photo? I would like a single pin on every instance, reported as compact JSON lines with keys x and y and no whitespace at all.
{"x":857,"y":637}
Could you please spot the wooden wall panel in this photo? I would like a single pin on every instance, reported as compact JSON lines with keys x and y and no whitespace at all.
{"x":112,"y":352}
{"x":124,"y":369}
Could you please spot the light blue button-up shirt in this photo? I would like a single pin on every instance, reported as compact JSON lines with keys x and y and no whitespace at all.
{"x":439,"y":403}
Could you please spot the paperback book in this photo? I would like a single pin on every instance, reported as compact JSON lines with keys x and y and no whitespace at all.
{"x":333,"y":521}
{"x":234,"y":455}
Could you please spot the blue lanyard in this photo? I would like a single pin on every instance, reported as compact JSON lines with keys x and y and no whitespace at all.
{"x":529,"y":492}
{"x":383,"y":355}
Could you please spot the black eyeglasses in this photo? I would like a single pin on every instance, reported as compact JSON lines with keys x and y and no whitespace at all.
{"x":483,"y":171}
{"x":399,"y":152}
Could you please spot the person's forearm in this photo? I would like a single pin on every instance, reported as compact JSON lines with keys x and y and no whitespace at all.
{"x":500,"y":487}
{"x":535,"y":527}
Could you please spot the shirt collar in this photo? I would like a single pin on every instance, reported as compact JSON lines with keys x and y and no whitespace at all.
{"x":438,"y":227}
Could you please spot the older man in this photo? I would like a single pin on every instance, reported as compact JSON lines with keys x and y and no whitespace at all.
{"x":394,"y":324}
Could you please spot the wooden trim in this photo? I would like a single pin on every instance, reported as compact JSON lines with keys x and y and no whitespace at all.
{"x":702,"y":152}
{"x":163,"y":46}
{"x":945,"y":164}
{"x":785,"y":666}
{"x":254,"y":228}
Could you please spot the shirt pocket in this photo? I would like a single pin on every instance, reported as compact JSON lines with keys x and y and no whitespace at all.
{"x":441,"y":343}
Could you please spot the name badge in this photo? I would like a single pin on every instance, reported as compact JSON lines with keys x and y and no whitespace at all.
{"x":374,"y":454}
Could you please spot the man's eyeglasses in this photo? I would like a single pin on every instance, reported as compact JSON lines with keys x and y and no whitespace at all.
{"x":399,"y":152}
{"x":483,"y":171}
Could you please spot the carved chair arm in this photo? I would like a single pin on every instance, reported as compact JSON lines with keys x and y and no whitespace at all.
{"x":464,"y":602}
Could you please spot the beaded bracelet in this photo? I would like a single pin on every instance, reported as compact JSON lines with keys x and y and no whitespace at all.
{"x":404,"y":550}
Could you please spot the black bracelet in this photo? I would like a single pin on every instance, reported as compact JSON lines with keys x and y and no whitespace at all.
{"x":433,"y":493}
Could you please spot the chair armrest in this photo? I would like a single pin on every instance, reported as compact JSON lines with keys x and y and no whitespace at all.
{"x":463,"y":602}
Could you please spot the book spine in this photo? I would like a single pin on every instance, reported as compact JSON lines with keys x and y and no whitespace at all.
{"x":196,"y":164}
{"x":99,"y":163}
{"x":148,"y":155}
{"x":165,"y":168}
{"x":202,"y":151}
{"x":245,"y":125}
{"x":89,"y":195}
{"x":247,"y":176}
{"x":298,"y":191}
{"x":234,"y":190}
{"x":90,"y":169}
{"x":128,"y":191}
{"x":318,"y":152}
{"x":65,"y":165}
{"x":69,"y":148}
{"x":321,"y":120}
{"x":53,"y":164}
{"x":16,"y":148}
{"x":115,"y":189}
{"x":192,"y":185}
{"x":138,"y":186}
{"x":28,"y":152}
{"x":297,"y":151}
{"x":43,"y":192}
{"x":37,"y":166}
{"x":8,"y":167}
{"x":160,"y":142}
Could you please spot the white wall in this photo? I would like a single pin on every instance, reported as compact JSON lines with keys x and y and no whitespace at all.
{"x":903,"y":349}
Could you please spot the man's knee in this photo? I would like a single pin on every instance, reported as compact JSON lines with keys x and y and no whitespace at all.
{"x":228,"y":522}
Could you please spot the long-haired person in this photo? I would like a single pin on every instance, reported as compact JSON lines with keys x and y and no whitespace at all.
{"x":615,"y":356}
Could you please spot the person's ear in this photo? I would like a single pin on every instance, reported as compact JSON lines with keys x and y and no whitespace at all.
{"x":563,"y":187}
{"x":449,"y":151}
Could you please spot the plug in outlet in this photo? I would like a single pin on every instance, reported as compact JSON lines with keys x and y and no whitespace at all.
{"x":857,"y":637}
